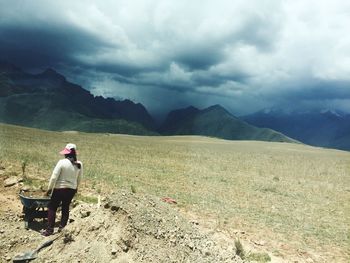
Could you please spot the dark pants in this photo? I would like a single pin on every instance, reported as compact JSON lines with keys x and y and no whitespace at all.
{"x":64,"y":196}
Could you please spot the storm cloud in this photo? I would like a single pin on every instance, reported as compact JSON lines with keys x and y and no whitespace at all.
{"x":245,"y":55}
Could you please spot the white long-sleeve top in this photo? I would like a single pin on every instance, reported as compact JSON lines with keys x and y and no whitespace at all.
{"x":66,"y":175}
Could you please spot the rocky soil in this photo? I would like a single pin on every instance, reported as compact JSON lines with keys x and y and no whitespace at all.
{"x":131,"y":228}
{"x":123,"y":227}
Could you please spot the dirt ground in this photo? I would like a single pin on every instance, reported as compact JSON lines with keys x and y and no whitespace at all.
{"x":122,"y":227}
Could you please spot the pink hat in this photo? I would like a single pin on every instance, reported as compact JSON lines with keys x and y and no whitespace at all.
{"x":68,"y":149}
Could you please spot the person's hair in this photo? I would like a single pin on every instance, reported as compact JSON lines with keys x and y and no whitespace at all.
{"x":73,"y":158}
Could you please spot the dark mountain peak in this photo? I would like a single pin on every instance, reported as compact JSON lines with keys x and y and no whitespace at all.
{"x":191,"y":108}
{"x":215,"y":121}
{"x":52,"y":74}
{"x":184,"y":111}
{"x":9,"y":68}
{"x":218,"y":109}
{"x":50,"y":71}
{"x":334,"y":113}
{"x":177,"y":116}
{"x":127,"y":102}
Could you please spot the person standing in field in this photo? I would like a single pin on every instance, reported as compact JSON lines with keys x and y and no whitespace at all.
{"x":63,"y":186}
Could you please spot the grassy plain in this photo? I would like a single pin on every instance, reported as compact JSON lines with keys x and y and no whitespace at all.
{"x":292,"y":198}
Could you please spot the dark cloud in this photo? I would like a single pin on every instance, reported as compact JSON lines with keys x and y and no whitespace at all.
{"x":216,"y":80}
{"x":326,"y":90}
{"x":312,"y":90}
{"x":45,"y":46}
{"x":199,"y":58}
{"x":244,"y":55}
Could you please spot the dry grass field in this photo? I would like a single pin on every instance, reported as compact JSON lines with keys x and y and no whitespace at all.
{"x":291,"y":199}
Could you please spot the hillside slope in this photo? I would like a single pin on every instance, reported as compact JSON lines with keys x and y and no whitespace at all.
{"x":215,"y":121}
{"x":49,"y":101}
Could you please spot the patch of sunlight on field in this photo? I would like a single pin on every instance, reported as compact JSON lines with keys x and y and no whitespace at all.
{"x":299,"y":194}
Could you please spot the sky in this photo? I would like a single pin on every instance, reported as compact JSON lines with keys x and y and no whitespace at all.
{"x":245,"y":55}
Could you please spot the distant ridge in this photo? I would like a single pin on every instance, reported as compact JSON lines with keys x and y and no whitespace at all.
{"x":325,"y":128}
{"x":216,"y":121}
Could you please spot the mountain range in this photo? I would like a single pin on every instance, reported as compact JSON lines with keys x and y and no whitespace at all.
{"x":48,"y":101}
{"x":325,"y":128}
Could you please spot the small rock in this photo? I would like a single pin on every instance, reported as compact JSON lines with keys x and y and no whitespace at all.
{"x":115,"y":207}
{"x":93,"y":228}
{"x":169,"y":200}
{"x":191,"y":245}
{"x":85,"y":214}
{"x":25,"y":188}
{"x":259,"y":242}
{"x":8,"y":258}
{"x":209,"y":243}
{"x":237,"y":231}
{"x":2,"y":231}
{"x":10,"y":181}
{"x":195,"y":222}
{"x":68,"y":238}
{"x":75,"y":203}
{"x":114,"y":251}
